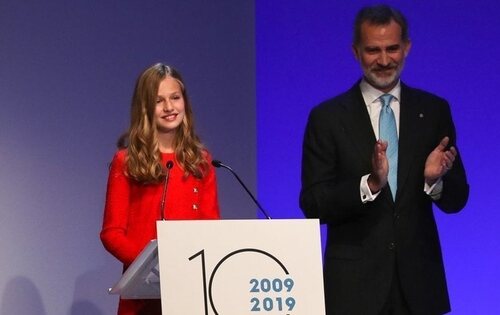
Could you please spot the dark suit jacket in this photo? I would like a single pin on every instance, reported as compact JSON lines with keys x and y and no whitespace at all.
{"x":365,"y":241}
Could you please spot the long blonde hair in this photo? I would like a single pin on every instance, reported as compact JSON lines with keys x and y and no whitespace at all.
{"x":144,"y":156}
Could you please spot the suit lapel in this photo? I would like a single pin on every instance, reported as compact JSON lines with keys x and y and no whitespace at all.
{"x":358,"y":125}
{"x":409,"y":124}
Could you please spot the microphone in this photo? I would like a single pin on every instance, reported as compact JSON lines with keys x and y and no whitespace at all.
{"x":219,"y":164}
{"x":169,"y":165}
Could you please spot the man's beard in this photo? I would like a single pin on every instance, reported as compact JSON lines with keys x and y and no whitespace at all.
{"x":384,"y":82}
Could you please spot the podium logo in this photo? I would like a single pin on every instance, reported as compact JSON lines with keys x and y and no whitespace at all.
{"x":247,"y":281}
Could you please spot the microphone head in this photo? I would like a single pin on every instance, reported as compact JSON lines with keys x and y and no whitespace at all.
{"x":216,"y":163}
{"x":170,"y":164}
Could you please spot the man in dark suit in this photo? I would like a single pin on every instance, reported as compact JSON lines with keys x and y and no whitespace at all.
{"x":383,"y":254}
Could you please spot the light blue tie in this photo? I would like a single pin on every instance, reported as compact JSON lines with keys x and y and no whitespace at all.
{"x":388,"y":132}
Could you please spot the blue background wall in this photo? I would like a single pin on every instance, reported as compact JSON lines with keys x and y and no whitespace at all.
{"x":254,"y":69}
{"x":304,"y":57}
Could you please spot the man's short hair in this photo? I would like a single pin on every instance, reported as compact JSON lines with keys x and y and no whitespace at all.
{"x":379,"y":15}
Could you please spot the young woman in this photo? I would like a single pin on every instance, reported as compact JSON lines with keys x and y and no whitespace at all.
{"x":160,"y":141}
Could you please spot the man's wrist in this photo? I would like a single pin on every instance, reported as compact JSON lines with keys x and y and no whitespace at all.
{"x":365,"y":192}
{"x":373,"y":184}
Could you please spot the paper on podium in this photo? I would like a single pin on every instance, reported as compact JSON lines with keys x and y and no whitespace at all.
{"x":141,"y":280}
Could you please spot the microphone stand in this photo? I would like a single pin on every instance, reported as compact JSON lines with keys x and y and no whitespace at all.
{"x":219,"y":164}
{"x":165,"y":183}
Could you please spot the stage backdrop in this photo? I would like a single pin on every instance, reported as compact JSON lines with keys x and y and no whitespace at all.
{"x":66,"y":78}
{"x":304,"y":57}
{"x":67,"y":71}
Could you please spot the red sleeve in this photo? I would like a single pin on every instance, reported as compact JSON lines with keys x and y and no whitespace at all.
{"x":209,"y":200}
{"x":114,"y":228}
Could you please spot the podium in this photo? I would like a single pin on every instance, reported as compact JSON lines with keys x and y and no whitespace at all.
{"x":141,"y":280}
{"x":227,"y":267}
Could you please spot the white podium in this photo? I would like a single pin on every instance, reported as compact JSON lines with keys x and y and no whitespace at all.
{"x":235,"y":267}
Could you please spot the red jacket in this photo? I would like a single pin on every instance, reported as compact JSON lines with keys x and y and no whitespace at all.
{"x":132,"y":209}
